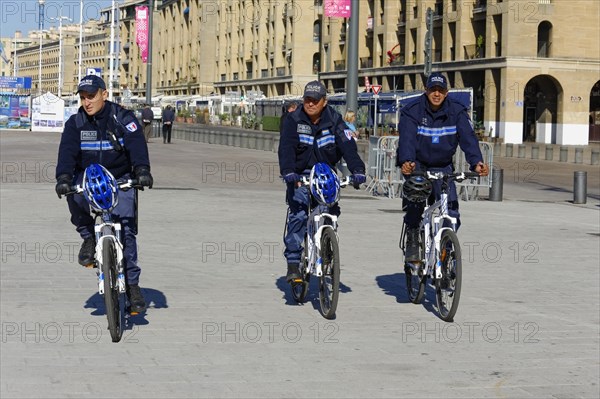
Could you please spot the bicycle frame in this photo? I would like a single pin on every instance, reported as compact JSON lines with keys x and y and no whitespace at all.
{"x":317,"y":222}
{"x":432,"y":224}
{"x":100,"y":230}
{"x":433,"y":217}
{"x":105,"y":230}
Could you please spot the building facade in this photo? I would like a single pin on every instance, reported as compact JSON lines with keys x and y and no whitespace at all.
{"x":534,"y":65}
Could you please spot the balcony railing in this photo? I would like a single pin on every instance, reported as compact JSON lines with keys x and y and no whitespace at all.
{"x":479,"y":6}
{"x":366,"y":62}
{"x":399,"y":59}
{"x":339,"y":65}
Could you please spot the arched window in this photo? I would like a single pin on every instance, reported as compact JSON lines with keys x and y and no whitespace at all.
{"x":316,"y":63}
{"x":544,"y":39}
{"x":317,"y":31}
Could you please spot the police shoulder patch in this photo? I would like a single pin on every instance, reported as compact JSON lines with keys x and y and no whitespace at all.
{"x":348,"y":134}
{"x":132,"y":127}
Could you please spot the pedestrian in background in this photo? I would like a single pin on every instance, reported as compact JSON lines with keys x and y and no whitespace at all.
{"x":168,"y":117}
{"x":350,"y":118}
{"x":147,"y":117}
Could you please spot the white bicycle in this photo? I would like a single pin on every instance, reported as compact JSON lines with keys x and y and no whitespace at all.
{"x":109,"y":249}
{"x":320,"y":254}
{"x":440,"y":254}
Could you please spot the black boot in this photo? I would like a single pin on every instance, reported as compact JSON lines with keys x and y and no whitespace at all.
{"x":136,"y":300}
{"x":293,"y":274}
{"x":87,"y":252}
{"x":412,"y":253}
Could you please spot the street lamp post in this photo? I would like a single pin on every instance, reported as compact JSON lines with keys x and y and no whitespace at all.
{"x":60,"y":54}
{"x":80,"y":39}
{"x":41,"y":26}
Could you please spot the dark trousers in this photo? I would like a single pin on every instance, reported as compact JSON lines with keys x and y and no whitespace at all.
{"x":166,"y":131}
{"x":125,"y":212}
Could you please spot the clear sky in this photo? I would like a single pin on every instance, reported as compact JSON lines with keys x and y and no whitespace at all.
{"x":23,"y":15}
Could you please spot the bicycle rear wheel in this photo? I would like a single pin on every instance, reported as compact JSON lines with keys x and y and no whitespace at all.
{"x":448,"y":287}
{"x":329,"y":287}
{"x":113,"y":300}
{"x":299,"y":290}
{"x":415,"y":284}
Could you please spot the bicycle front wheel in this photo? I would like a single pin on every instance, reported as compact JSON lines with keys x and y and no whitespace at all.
{"x":329,"y":287}
{"x":299,"y":290}
{"x":448,"y":287}
{"x":113,"y":300}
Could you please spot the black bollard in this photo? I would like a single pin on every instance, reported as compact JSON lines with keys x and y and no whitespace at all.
{"x":580,"y":187}
{"x":497,"y":184}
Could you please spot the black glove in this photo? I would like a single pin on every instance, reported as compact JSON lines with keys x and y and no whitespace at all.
{"x":143,"y":176}
{"x":291,"y":178}
{"x":63,"y":185}
{"x":358,"y":179}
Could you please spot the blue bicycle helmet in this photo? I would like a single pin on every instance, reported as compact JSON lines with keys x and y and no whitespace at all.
{"x":324,"y":184}
{"x":100,"y":187}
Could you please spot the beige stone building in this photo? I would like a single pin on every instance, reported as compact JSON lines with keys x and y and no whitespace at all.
{"x":534,"y":65}
{"x":130,"y":70}
{"x":7,"y":61}
{"x":534,"y":76}
{"x":27,"y":56}
{"x":234,"y":46}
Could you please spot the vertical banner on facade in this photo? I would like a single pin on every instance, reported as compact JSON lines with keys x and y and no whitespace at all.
{"x":141,"y":31}
{"x":337,"y":8}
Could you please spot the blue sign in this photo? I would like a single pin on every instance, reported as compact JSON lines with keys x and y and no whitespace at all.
{"x":15,"y":82}
{"x":94,"y":71}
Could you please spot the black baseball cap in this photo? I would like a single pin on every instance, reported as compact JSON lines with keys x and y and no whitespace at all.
{"x":315,"y":89}
{"x":91,"y":84}
{"x":437,"y":79}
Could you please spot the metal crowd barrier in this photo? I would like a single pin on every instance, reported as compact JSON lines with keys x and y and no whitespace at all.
{"x":386,"y":178}
{"x":470,"y":189}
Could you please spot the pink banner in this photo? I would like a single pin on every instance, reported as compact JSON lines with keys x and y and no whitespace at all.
{"x":337,"y":8}
{"x":141,"y":31}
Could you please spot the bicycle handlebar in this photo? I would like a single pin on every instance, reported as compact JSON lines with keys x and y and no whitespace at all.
{"x":447,"y":176}
{"x":346,"y":181}
{"x":125,"y":185}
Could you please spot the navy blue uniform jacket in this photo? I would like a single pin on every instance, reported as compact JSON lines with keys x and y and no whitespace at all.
{"x":85,"y":140}
{"x":431,"y":138}
{"x":303,"y":144}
